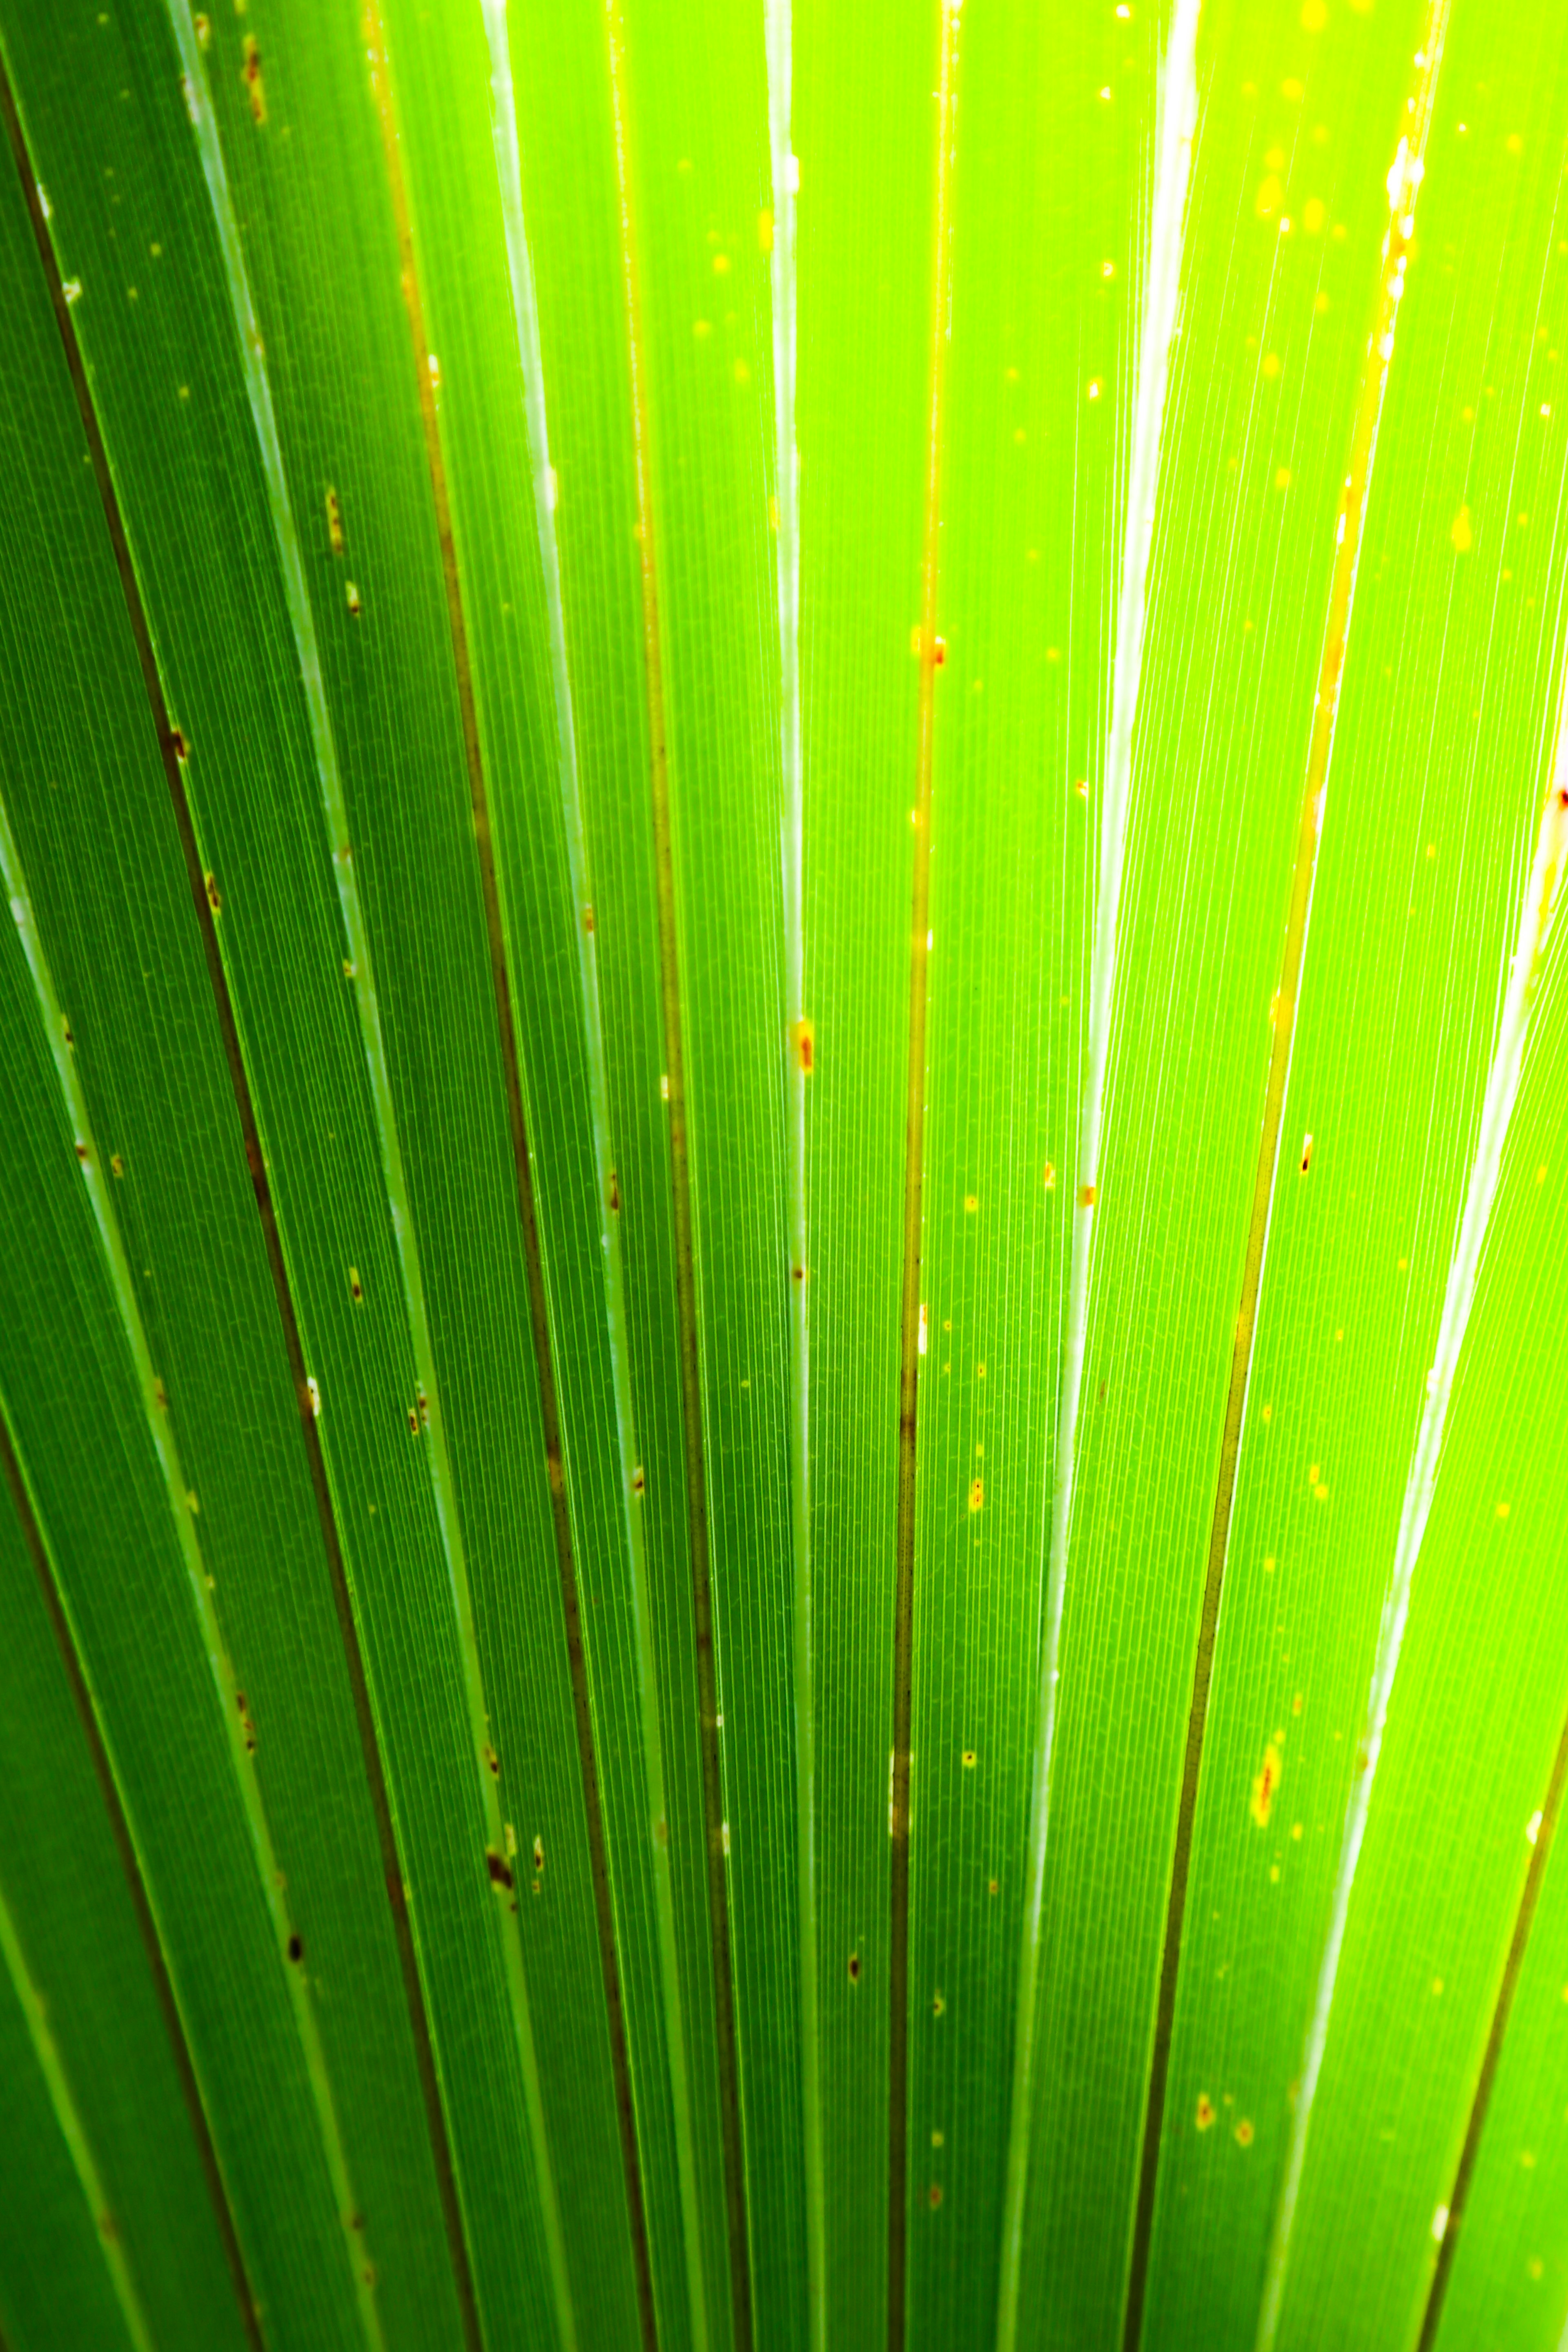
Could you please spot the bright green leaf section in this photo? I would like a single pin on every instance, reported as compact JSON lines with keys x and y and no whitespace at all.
{"x":1256,"y":436}
{"x":864,"y":133}
{"x":70,"y":1926}
{"x":474,"y":234}
{"x":1440,"y":762}
{"x":1508,"y":2283}
{"x":1477,"y":1680}
{"x":1047,"y":207}
{"x":696,"y":106}
{"x":355,"y":1093}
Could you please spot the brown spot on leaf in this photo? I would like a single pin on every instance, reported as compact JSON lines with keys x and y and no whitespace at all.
{"x":1265,"y":1785}
{"x":499,"y":1875}
{"x":250,"y":74}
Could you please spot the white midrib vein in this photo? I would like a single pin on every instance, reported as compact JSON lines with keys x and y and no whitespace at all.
{"x":362,"y":974}
{"x":525,"y":311}
{"x":779,"y":41}
{"x":1459,"y":1295}
{"x":197,"y":1586}
{"x":1176,"y":123}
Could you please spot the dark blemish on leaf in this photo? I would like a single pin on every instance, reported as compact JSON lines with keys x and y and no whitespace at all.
{"x":214,"y":896}
{"x":250,"y":74}
{"x":81,"y":1153}
{"x":1204,"y":2111}
{"x":494,"y":1762}
{"x":353,"y":595}
{"x":588,"y":920}
{"x":935,"y":2194}
{"x":1244,"y":2134}
{"x":178,"y":745}
{"x":614,"y":1194}
{"x":638,"y":1481}
{"x":118,"y":1164}
{"x":797,"y":1274}
{"x":413,"y":1423}
{"x":969,"y":1759}
{"x":162,"y":1395}
{"x":356,"y":1291}
{"x":356,"y":2221}
{"x":937,"y":2004}
{"x":1088,"y":1195}
{"x":423,"y":1409}
{"x":297,"y":1948}
{"x":854,"y":1968}
{"x":1264,"y":1786}
{"x":805,"y":1037}
{"x":1306,"y":1153}
{"x":334,"y":521}
{"x":66,"y":1028}
{"x":499,"y":1875}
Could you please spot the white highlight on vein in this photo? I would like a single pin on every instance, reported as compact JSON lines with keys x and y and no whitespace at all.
{"x":258,"y":392}
{"x":1176,"y":119}
{"x":531,"y":357}
{"x":780,"y":40}
{"x":1497,"y":1108}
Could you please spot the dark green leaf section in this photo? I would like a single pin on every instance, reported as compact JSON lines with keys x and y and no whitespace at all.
{"x":70,"y":1915}
{"x":864,"y":132}
{"x":79,"y":1423}
{"x":1265,"y":379}
{"x":1440,"y":762}
{"x":1509,"y":2282}
{"x":541,"y":727}
{"x":55,"y":2286}
{"x":102,"y":875}
{"x":168,"y":376}
{"x":1038,"y":397}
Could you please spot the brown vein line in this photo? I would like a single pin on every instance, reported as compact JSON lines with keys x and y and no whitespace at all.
{"x":931,"y":654}
{"x":538,"y":1311}
{"x":1486,"y":2080}
{"x":680,"y":1187}
{"x":391,"y":1867}
{"x":1352,"y":509}
{"x":119,"y":1828}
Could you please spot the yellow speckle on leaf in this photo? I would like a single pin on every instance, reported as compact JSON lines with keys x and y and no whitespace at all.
{"x":1461,"y":533}
{"x":976,"y":1494}
{"x":1312,"y":215}
{"x":1204,"y":2111}
{"x":1270,"y":365}
{"x":1269,"y":191}
{"x":764,"y":230}
{"x":1244,"y":2134}
{"x":971,"y":1203}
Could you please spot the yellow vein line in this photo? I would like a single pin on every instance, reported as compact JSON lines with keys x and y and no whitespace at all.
{"x":1405,"y":178}
{"x":530,"y":358}
{"x":74,"y":2132}
{"x":681,"y":1204}
{"x":182,"y":1506}
{"x":931,"y":655}
{"x":1175,"y":125}
{"x":361,"y":971}
{"x":798,"y":1049}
